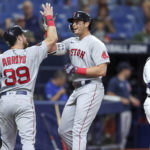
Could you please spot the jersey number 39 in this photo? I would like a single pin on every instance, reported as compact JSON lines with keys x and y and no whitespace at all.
{"x":22,"y":73}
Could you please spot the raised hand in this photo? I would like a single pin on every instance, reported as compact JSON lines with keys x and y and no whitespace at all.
{"x":47,"y":10}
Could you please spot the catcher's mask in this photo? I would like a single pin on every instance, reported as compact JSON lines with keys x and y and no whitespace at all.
{"x":10,"y":36}
{"x":82,"y":16}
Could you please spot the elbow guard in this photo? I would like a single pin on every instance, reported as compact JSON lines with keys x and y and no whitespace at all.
{"x":61,"y":50}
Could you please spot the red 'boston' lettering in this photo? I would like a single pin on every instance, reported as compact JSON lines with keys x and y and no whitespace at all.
{"x":4,"y":62}
{"x":82,"y":54}
{"x":70,"y":52}
{"x":75,"y":50}
{"x":78,"y":52}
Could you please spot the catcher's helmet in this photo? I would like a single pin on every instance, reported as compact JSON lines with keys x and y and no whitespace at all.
{"x":10,"y":36}
{"x":82,"y":16}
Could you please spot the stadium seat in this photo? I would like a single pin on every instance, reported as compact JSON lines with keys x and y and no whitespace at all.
{"x":94,"y":10}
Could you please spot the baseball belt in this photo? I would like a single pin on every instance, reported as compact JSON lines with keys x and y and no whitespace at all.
{"x":80,"y":83}
{"x":16,"y":93}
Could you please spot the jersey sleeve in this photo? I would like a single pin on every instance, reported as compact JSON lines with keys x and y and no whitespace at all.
{"x":146,"y":72}
{"x":39,"y":51}
{"x":99,"y":53}
{"x":62,"y":47}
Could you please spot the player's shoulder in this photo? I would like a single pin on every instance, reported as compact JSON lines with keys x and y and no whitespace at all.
{"x":7,"y":52}
{"x":71,"y":40}
{"x":34,"y":47}
{"x":94,"y":39}
{"x":29,"y":50}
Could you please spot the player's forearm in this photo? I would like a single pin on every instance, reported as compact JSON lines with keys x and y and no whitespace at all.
{"x":55,"y":97}
{"x":51,"y":37}
{"x":97,"y":71}
{"x":52,"y":34}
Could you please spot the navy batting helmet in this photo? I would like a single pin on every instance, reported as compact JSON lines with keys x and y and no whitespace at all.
{"x":82,"y":16}
{"x":10,"y":36}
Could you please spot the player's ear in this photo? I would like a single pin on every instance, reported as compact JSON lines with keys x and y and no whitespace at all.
{"x":19,"y":38}
{"x":87,"y":24}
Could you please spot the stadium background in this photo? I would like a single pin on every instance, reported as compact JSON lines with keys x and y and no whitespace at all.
{"x":127,"y":18}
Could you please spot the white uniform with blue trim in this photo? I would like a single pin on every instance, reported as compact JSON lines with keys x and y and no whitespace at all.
{"x":85,"y":101}
{"x":19,"y":68}
{"x":146,"y":77}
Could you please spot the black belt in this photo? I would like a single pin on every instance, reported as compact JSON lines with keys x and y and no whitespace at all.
{"x":148,"y":95}
{"x":80,"y":83}
{"x":17,"y":93}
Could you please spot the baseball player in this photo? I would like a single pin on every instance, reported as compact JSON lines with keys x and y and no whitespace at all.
{"x":89,"y":61}
{"x":146,"y":77}
{"x":19,"y":67}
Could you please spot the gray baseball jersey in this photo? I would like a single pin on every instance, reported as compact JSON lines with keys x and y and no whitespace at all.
{"x":146,"y":74}
{"x":84,"y":53}
{"x":84,"y":103}
{"x":19,"y":68}
{"x":146,"y":77}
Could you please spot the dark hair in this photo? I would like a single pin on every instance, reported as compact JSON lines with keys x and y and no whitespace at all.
{"x":10,"y":36}
{"x":122,"y":66}
{"x":58,"y":74}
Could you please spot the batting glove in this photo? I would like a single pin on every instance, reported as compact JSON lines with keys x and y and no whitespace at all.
{"x":70,"y":69}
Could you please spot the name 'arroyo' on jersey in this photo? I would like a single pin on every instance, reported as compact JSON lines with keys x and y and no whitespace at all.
{"x":13,"y":60}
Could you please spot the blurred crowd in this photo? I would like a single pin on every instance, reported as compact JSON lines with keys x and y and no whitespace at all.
{"x":103,"y":25}
{"x":28,"y":21}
